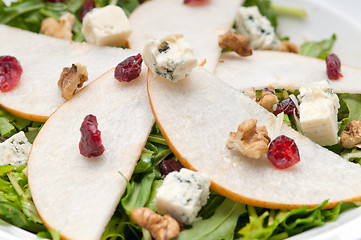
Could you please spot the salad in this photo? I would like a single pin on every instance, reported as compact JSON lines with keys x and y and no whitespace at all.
{"x":222,"y":217}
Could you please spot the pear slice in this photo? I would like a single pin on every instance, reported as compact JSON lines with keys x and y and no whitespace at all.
{"x":200,"y":25}
{"x":43,"y":58}
{"x":282,"y":70}
{"x":77,"y":195}
{"x":196,"y":116}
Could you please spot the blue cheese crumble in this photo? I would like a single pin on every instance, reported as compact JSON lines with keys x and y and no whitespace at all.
{"x":15,"y":150}
{"x":182,"y":195}
{"x":257,"y":28}
{"x":170,"y":57}
{"x":318,"y":113}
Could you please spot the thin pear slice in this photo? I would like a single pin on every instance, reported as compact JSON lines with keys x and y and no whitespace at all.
{"x":200,"y":25}
{"x":77,"y":195}
{"x":43,"y":59}
{"x":282,"y":70}
{"x":196,"y":116}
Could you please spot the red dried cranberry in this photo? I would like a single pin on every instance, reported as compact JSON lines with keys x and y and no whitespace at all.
{"x":129,"y":69}
{"x":283,"y":152}
{"x":90,"y":144}
{"x":87,"y":6}
{"x":287,"y":106}
{"x":171,"y":165}
{"x":10,"y":73}
{"x":333,"y":64}
{"x":195,"y":2}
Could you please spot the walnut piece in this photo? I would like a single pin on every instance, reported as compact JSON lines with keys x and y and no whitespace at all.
{"x":235,"y":42}
{"x":251,"y":93}
{"x":286,"y":46}
{"x":250,"y":140}
{"x":71,"y":79}
{"x":268,"y":99}
{"x":351,"y":136}
{"x":62,"y":29}
{"x":160,"y":227}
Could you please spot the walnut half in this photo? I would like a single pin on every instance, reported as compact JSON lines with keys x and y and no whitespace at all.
{"x":160,"y":227}
{"x":250,"y":140}
{"x":62,"y":29}
{"x":351,"y":136}
{"x":71,"y":79}
{"x":235,"y":42}
{"x":268,"y":99}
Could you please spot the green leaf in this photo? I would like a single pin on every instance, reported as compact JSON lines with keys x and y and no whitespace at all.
{"x":318,"y":49}
{"x":257,"y":228}
{"x":220,"y":226}
{"x":6,"y":168}
{"x":151,"y":200}
{"x":6,"y":129}
{"x":145,"y":164}
{"x":138,"y":193}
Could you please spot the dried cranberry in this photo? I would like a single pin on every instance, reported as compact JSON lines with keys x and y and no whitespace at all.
{"x":171,"y":165}
{"x":10,"y":73}
{"x":129,"y":69}
{"x":87,"y":6}
{"x":333,"y":64}
{"x":287,"y":106}
{"x":90,"y":144}
{"x":283,"y":152}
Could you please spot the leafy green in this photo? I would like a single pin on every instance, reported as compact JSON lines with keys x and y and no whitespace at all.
{"x":11,"y":124}
{"x":16,"y":205}
{"x":28,"y":14}
{"x":318,"y":49}
{"x":279,"y":224}
{"x":220,"y":226}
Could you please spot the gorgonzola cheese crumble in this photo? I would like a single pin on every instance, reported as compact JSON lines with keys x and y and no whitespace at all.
{"x":170,"y":57}
{"x":182,"y":195}
{"x":15,"y":150}
{"x":257,"y":28}
{"x":107,"y":26}
{"x":318,"y":113}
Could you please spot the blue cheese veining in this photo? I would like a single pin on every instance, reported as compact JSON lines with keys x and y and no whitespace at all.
{"x":257,"y":28}
{"x":318,"y":113}
{"x":182,"y":195}
{"x":170,"y":57}
{"x":15,"y":150}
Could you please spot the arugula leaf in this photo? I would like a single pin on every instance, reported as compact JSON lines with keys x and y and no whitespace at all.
{"x":318,"y":49}
{"x":220,"y":226}
{"x":138,"y":193}
{"x":10,"y":124}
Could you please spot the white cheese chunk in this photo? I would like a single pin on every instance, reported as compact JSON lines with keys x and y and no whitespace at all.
{"x":15,"y":150}
{"x":107,"y":26}
{"x":182,"y":195}
{"x":318,"y":114}
{"x":257,"y":28}
{"x":170,"y":57}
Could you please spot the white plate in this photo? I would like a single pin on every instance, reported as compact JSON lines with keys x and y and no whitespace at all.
{"x":324,"y":18}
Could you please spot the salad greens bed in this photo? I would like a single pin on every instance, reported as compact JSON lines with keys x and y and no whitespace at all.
{"x":222,"y":218}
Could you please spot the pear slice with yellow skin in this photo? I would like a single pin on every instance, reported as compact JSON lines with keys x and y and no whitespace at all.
{"x":196,"y":116}
{"x":282,"y":70}
{"x":76,"y":195}
{"x":42,"y":59}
